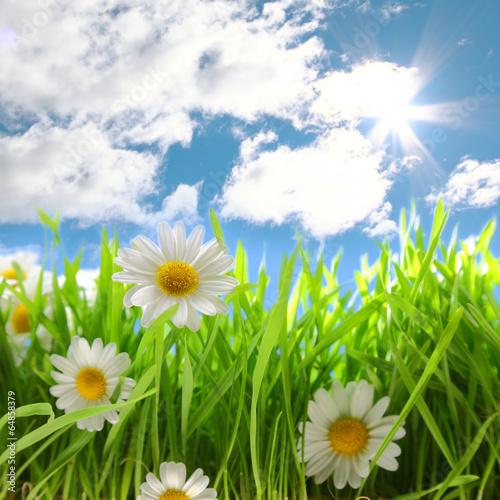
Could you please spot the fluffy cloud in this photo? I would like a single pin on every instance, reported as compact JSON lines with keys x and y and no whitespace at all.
{"x":132,"y":76}
{"x":181,"y":204}
{"x":472,"y":184}
{"x":95,"y":93}
{"x":159,"y":57}
{"x":76,"y":170}
{"x":371,"y":89}
{"x":379,"y":223}
{"x":328,"y":186}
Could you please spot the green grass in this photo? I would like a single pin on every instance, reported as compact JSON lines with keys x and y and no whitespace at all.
{"x":421,"y":325}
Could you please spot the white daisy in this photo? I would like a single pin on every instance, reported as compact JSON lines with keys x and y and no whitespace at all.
{"x":89,"y":377}
{"x":178,"y":271}
{"x":18,"y":324}
{"x":345,"y":434}
{"x":25,"y":261}
{"x":172,"y":484}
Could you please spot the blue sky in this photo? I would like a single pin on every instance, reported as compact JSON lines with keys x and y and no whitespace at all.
{"x":328,"y":116}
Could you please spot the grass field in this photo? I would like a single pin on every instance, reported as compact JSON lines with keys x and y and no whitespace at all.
{"x":421,"y":324}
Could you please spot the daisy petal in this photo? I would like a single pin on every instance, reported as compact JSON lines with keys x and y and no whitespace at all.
{"x":340,"y":398}
{"x":179,"y":319}
{"x":198,"y":486}
{"x":193,"y":321}
{"x":317,"y":416}
{"x":118,"y":365}
{"x":203,"y":304}
{"x":362,"y":399}
{"x":146,"y":295}
{"x":354,"y":478}
{"x":127,"y":302}
{"x":166,"y":240}
{"x":313,"y":449}
{"x":147,"y":247}
{"x":214,"y":287}
{"x":377,"y":411}
{"x":326,"y":472}
{"x":148,"y":314}
{"x":326,"y":405}
{"x":388,"y":463}
{"x":221,"y":266}
{"x":180,"y":241}
{"x":194,"y":242}
{"x":63,"y":364}
{"x":341,"y":475}
{"x":197,"y":474}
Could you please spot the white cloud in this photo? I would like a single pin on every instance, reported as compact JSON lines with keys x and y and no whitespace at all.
{"x":328,"y":186}
{"x":472,"y":184}
{"x":386,"y":11}
{"x":368,"y":90}
{"x":401,"y":167}
{"x":380,"y":225}
{"x":249,"y":147}
{"x":159,"y":57}
{"x":182,"y":203}
{"x":393,"y":9}
{"x":101,"y":83}
{"x":76,"y":170}
{"x":133,"y":75}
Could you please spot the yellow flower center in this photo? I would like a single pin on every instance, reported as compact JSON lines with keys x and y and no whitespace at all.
{"x":176,"y":278}
{"x":10,"y":274}
{"x":348,"y":436}
{"x":21,"y":320}
{"x":91,"y":383}
{"x":174,"y":495}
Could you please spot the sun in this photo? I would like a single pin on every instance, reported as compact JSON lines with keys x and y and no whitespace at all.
{"x":395,"y":115}
{"x":391,"y":109}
